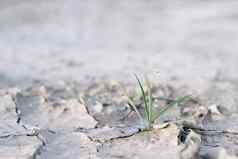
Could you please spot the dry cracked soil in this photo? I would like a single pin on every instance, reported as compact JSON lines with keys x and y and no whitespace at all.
{"x":66,"y":67}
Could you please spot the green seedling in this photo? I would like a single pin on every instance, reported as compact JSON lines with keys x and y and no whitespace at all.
{"x":150,"y":115}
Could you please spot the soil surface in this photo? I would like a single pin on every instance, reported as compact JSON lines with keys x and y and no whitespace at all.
{"x":65,"y":67}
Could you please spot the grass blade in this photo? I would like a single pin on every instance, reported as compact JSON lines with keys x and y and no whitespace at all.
{"x":175,"y":102}
{"x":144,"y":99}
{"x":150,"y":103}
{"x":131,"y":103}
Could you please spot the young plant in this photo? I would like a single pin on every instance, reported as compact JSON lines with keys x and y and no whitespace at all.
{"x":150,"y":115}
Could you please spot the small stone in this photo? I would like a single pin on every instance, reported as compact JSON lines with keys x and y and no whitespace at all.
{"x":160,"y":126}
{"x":39,"y":91}
{"x":214,"y":109}
{"x":98,"y":107}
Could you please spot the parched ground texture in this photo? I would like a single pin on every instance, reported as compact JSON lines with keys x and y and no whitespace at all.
{"x":63,"y":65}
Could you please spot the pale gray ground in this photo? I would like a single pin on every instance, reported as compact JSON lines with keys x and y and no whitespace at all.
{"x":190,"y":40}
{"x":191,"y":43}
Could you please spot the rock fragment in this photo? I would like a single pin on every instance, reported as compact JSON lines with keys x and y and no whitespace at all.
{"x":7,"y":110}
{"x":70,"y":115}
{"x":67,"y":114}
{"x":152,"y":144}
{"x":190,"y":148}
{"x":19,"y":147}
{"x":73,"y":145}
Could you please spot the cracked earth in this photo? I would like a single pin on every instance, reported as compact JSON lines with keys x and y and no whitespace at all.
{"x":43,"y":122}
{"x":65,"y":67}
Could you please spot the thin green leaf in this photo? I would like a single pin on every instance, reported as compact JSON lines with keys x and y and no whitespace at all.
{"x":131,"y":103}
{"x":150,"y":104}
{"x":178,"y":101}
{"x":144,"y":98}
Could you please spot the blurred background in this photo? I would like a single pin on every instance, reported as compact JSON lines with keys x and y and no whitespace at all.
{"x":193,"y":41}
